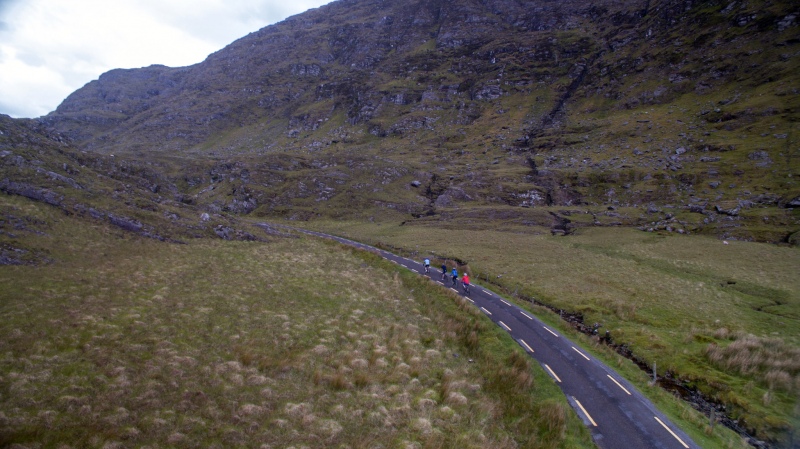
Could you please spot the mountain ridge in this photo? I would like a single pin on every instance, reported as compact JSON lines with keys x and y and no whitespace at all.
{"x":648,"y":105}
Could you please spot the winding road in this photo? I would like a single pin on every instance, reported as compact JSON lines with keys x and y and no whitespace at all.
{"x":617,"y":415}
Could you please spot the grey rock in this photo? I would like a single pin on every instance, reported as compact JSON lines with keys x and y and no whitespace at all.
{"x":730,"y":212}
{"x":31,"y":192}
{"x":696,"y":208}
{"x":128,"y":224}
{"x":224,"y":232}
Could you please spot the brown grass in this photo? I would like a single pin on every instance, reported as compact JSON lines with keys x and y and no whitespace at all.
{"x":770,"y":360}
{"x":294,"y":343}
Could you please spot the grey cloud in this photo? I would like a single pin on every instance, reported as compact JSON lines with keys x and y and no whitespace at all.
{"x":14,"y":110}
{"x":5,"y":6}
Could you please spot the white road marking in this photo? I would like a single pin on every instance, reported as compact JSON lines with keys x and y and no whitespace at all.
{"x":487,"y":292}
{"x":451,"y":288}
{"x":552,"y":372}
{"x":470,"y":300}
{"x":526,"y":345}
{"x":579,"y":352}
{"x":505,"y":302}
{"x":585,"y":412}
{"x":618,"y":384}
{"x":504,"y":325}
{"x":671,"y":432}
{"x":487,"y":312}
{"x":548,"y":330}
{"x":526,"y":315}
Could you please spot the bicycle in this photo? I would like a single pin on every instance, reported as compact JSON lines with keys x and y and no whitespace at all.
{"x":465,"y":286}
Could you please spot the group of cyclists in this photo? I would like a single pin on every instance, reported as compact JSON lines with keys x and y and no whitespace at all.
{"x":453,"y":274}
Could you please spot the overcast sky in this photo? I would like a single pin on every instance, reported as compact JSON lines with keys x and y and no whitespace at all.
{"x":50,"y":48}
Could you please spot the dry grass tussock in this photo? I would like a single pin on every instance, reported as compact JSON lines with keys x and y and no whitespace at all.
{"x":220,"y":345}
{"x":769,"y":359}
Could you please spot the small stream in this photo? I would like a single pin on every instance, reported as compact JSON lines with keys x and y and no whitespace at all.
{"x":712,"y":409}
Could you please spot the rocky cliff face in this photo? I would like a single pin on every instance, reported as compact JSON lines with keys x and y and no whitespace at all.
{"x":365,"y":58}
{"x":691,"y":105}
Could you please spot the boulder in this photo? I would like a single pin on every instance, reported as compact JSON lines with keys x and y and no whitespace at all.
{"x":128,"y":224}
{"x":733,"y":212}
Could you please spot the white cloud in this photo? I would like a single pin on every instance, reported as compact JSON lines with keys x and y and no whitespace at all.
{"x":50,"y":48}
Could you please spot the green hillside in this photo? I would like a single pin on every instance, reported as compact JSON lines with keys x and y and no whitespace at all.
{"x":633,"y":164}
{"x":684,"y":114}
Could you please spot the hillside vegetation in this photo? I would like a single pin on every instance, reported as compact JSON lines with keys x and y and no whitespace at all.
{"x":681,"y":115}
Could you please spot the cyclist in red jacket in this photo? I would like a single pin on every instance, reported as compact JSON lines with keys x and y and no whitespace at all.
{"x":465,"y":282}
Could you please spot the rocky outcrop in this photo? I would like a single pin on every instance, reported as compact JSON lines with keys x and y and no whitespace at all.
{"x":31,"y":192}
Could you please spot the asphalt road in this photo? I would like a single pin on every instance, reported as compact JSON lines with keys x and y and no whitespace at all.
{"x":617,"y":415}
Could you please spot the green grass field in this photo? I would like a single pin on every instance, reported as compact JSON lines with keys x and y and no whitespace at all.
{"x":128,"y":342}
{"x":723,"y":317}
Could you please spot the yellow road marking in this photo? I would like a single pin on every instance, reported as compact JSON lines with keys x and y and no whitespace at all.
{"x":579,"y":352}
{"x":671,"y":432}
{"x":585,"y":412}
{"x":526,"y":345}
{"x":552,"y":372}
{"x":618,"y":384}
{"x":548,"y":330}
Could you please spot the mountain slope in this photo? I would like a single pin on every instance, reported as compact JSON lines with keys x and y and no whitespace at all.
{"x":649,"y":105}
{"x":125,"y":195}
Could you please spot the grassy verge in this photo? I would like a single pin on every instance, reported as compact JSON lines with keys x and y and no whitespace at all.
{"x":723,"y":317}
{"x":129,"y":342}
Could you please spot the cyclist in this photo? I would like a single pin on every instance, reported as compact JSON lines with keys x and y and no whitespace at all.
{"x":454,"y":273}
{"x":444,"y":271}
{"x":427,"y":264}
{"x":465,"y":282}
